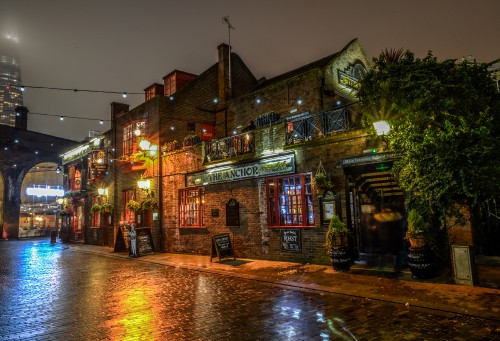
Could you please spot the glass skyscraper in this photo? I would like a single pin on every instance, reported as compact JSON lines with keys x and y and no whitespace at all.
{"x":10,"y":74}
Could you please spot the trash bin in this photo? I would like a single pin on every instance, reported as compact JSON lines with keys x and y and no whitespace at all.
{"x":53,"y":235}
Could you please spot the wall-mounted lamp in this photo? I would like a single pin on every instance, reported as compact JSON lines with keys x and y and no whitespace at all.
{"x":58,"y":169}
{"x":60,"y":201}
{"x":381,"y":127}
{"x":144,"y":184}
{"x":102,"y":191}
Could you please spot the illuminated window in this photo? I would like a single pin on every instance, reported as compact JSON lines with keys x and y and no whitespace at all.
{"x":96,"y":216}
{"x":74,"y":179}
{"x":150,"y":93}
{"x":170,"y":85}
{"x":130,"y":143}
{"x":290,"y":201}
{"x":191,"y":202}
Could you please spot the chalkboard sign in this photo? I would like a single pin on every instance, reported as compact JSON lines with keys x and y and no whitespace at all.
{"x":291,"y":241}
{"x":120,"y":245}
{"x":221,"y":247}
{"x":144,"y":241}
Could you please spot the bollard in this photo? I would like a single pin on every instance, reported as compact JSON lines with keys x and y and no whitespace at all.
{"x":53,"y":236}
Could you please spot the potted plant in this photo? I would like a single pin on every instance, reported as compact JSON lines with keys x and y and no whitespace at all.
{"x":96,"y":208}
{"x":416,"y":229}
{"x":420,"y":259}
{"x":336,"y":244}
{"x":133,"y":205}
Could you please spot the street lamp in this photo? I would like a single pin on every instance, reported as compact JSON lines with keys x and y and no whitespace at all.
{"x":149,"y":147}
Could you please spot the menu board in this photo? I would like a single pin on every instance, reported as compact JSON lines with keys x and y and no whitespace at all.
{"x":291,"y":240}
{"x":144,"y":241}
{"x":120,"y":245}
{"x":221,"y":247}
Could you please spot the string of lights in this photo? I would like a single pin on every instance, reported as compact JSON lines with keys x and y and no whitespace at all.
{"x":62,"y":117}
{"x":22,"y":87}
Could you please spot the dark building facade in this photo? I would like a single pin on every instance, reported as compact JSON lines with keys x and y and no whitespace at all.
{"x":21,"y":150}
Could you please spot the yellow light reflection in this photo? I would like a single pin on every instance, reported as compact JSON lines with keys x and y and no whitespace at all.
{"x":137,"y":316}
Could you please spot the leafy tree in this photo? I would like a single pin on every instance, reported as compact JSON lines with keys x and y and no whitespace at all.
{"x":445,"y":124}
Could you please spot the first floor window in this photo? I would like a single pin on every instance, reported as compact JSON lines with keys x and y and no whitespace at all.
{"x":191,"y":202}
{"x":96,"y":216}
{"x":290,"y":201}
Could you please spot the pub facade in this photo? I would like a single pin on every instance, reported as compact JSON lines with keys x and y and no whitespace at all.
{"x":238,"y":156}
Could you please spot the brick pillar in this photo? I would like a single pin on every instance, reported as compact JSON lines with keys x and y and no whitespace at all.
{"x":12,"y":202}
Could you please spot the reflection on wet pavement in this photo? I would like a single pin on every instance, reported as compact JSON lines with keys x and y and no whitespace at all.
{"x":55,"y":293}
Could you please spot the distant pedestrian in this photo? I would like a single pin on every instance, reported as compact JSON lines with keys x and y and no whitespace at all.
{"x":132,"y":238}
{"x":250,"y":127}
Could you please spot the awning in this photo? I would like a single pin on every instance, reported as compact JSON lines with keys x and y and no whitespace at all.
{"x":371,"y":173}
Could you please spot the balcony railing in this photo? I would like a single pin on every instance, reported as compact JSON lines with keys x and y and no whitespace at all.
{"x":229,"y":147}
{"x":306,"y":126}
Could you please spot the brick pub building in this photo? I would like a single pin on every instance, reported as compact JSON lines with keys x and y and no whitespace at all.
{"x":227,"y":153}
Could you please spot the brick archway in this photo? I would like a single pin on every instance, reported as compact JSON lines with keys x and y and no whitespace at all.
{"x":20,"y":151}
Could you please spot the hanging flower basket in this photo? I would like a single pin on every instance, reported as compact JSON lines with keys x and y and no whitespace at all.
{"x":107,"y":208}
{"x":322,"y":180}
{"x":149,"y":204}
{"x":133,"y":205}
{"x":96,"y":208}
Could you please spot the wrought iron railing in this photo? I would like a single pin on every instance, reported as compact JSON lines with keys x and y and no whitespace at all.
{"x":306,"y":126}
{"x":229,"y":147}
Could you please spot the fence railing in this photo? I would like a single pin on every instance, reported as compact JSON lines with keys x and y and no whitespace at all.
{"x":306,"y":126}
{"x":229,"y":147}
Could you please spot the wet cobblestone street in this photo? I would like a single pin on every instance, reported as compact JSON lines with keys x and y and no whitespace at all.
{"x":55,"y":293}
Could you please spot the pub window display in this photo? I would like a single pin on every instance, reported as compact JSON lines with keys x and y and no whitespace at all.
{"x":191,"y":207}
{"x":290,"y":201}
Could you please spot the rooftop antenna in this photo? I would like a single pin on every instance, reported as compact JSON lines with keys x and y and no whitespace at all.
{"x":225,"y":20}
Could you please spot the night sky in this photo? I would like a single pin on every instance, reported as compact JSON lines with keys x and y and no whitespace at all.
{"x":125,"y":45}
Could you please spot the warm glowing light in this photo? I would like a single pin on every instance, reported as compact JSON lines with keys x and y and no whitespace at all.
{"x":137,"y":132}
{"x":124,"y":95}
{"x":144,"y":144}
{"x":60,"y":201}
{"x":144,"y":184}
{"x":382,"y":127}
{"x":102,"y":191}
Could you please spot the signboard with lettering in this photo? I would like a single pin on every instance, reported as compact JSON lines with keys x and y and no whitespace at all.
{"x":144,"y":241}
{"x":291,"y":240}
{"x":221,"y":247}
{"x":351,"y":76}
{"x":266,"y":167}
{"x":368,"y":158}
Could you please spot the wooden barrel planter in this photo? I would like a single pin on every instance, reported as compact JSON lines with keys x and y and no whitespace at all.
{"x":340,"y":258}
{"x":421,"y":263}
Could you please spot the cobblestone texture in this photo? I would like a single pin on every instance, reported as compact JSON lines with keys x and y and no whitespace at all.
{"x":54,"y":293}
